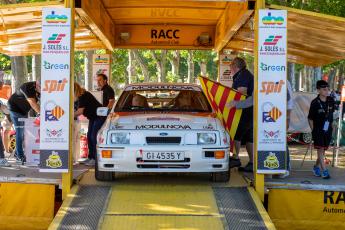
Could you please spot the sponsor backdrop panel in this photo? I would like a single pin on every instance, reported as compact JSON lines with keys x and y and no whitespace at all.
{"x":272,"y":63}
{"x":225,"y":77}
{"x":306,"y":209}
{"x":54,"y":160}
{"x":272,"y":160}
{"x":55,"y":67}
{"x":100,"y":64}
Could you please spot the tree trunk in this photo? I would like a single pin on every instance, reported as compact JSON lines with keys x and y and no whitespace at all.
{"x":19,"y":71}
{"x":175,"y":63}
{"x":203,"y":67}
{"x":341,"y":77}
{"x":190,"y":63}
{"x":36,"y":67}
{"x":130,"y":67}
{"x":317,"y":76}
{"x":88,"y":69}
{"x":160,"y":64}
{"x":163,"y":64}
{"x":142,"y":64}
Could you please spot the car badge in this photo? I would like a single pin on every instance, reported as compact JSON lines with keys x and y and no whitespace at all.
{"x":163,"y":134}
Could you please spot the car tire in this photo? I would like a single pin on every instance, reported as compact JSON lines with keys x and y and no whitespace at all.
{"x":221,"y":176}
{"x":103,"y":176}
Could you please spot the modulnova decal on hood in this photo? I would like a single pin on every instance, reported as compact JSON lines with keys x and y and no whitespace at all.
{"x":145,"y":122}
{"x":162,"y":127}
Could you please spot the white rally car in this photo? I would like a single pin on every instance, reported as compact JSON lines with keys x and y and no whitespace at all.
{"x":162,"y":128}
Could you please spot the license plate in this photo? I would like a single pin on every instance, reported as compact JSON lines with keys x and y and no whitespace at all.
{"x":163,"y":156}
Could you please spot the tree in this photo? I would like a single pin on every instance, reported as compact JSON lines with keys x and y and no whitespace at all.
{"x":88,"y":69}
{"x":130,"y":68}
{"x":79,"y":67}
{"x":5,"y":63}
{"x":174,"y":58}
{"x":142,"y":64}
{"x":188,"y":57}
{"x":19,"y":70}
{"x":36,"y":67}
{"x":159,"y":57}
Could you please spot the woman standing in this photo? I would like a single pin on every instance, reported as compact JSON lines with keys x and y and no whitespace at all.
{"x":87,"y":106}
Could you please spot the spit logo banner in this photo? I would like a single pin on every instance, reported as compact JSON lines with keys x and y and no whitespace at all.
{"x":55,"y":72}
{"x":100,"y":65}
{"x":271,"y":85}
{"x":307,"y":209}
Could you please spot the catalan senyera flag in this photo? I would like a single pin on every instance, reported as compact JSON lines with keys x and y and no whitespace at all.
{"x":218,"y":95}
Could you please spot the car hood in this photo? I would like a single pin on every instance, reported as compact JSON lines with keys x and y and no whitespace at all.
{"x":163,"y":121}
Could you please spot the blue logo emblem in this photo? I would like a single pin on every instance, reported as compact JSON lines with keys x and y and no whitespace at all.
{"x":163,"y":134}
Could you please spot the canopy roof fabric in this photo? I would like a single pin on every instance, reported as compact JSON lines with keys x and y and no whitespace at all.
{"x":313,"y":39}
{"x":21,"y":32}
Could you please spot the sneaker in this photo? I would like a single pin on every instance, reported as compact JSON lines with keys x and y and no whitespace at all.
{"x":84,"y":161}
{"x":4,"y":163}
{"x":325,"y":174}
{"x":247,"y":168}
{"x":91,"y":162}
{"x":19,"y":160}
{"x":317,"y":171}
{"x":235,"y":162}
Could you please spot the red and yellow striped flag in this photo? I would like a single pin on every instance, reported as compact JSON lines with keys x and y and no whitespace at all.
{"x":218,"y":95}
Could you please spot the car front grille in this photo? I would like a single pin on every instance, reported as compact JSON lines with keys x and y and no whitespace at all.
{"x":163,"y":140}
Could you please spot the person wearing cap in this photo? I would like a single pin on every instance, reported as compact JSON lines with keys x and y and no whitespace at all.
{"x":19,"y":104}
{"x":320,"y":119}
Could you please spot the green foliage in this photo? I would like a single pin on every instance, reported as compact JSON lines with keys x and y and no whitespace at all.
{"x":172,"y":78}
{"x":119,"y":66}
{"x":79,"y":66}
{"x":331,"y":7}
{"x":5,"y":63}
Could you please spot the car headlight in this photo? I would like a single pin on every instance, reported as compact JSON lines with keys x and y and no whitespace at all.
{"x":206,"y":138}
{"x":119,"y":138}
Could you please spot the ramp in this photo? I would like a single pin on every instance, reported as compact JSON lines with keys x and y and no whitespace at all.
{"x":164,"y":202}
{"x":239,"y":209}
{"x":86,"y":209}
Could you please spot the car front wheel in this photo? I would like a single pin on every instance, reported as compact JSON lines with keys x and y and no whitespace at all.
{"x":103,"y":176}
{"x":221,"y":176}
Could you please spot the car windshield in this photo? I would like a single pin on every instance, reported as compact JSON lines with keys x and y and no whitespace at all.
{"x":163,"y":98}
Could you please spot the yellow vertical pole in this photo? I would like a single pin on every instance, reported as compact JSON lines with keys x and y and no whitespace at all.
{"x":67,"y":178}
{"x":259,"y":179}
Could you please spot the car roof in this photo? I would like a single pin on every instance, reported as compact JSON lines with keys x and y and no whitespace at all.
{"x":172,"y":86}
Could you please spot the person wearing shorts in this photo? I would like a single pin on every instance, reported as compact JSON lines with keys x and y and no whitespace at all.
{"x":320,"y":119}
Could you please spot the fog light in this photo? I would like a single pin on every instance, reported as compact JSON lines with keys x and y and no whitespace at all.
{"x":106,"y":154}
{"x":219,"y":154}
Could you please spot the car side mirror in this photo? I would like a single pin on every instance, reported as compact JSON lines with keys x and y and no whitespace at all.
{"x":102,"y":111}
